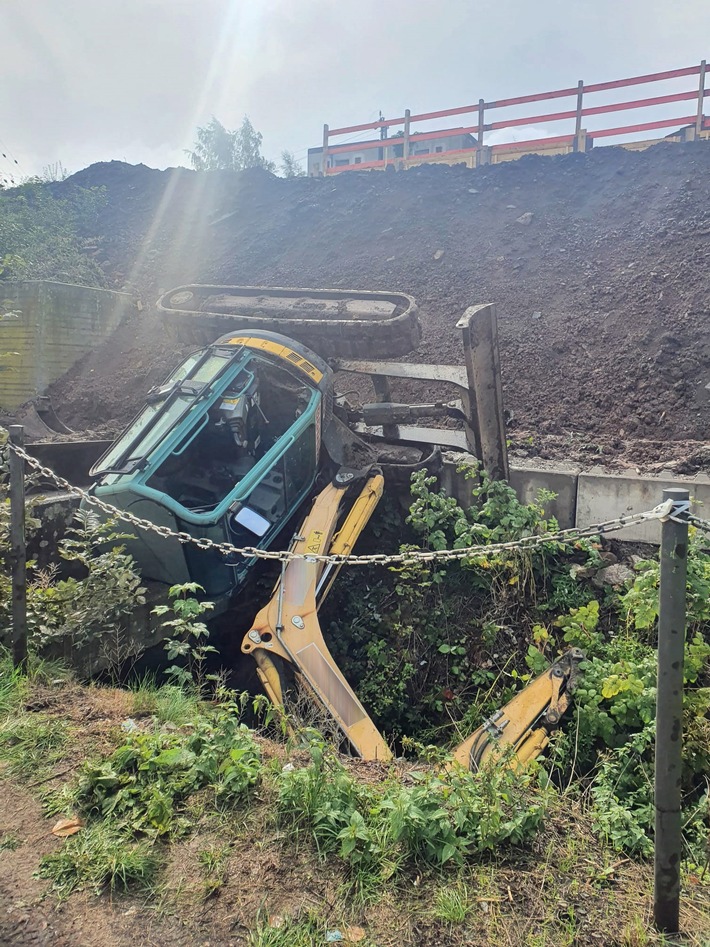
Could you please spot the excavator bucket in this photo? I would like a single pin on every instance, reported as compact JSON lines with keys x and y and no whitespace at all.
{"x":521,"y":730}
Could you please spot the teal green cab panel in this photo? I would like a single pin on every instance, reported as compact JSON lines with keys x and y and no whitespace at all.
{"x":227,"y":448}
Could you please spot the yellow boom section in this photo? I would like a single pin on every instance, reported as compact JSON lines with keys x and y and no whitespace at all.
{"x":287,"y":628}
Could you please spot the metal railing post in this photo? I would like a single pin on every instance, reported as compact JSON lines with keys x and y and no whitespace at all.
{"x":580,"y":137}
{"x":669,"y":712}
{"x":18,"y":552}
{"x":325,"y":150}
{"x":405,"y":147}
{"x":481,"y":128}
{"x":701,"y":100}
{"x":485,"y":423}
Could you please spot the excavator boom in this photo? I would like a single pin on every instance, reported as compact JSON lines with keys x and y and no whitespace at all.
{"x":286,"y":639}
{"x":288,"y":646}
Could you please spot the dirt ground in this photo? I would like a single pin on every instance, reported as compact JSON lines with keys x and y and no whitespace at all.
{"x":598,"y":264}
{"x":566,"y":888}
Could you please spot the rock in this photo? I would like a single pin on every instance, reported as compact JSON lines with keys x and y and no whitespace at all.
{"x":525,"y":218}
{"x":473,"y":190}
{"x":438,"y":255}
{"x":537,"y":315}
{"x":615,"y":575}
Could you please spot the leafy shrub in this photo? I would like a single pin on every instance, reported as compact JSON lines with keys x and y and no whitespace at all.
{"x":144,"y":784}
{"x":188,"y":640}
{"x":441,"y":817}
{"x":436,"y":642}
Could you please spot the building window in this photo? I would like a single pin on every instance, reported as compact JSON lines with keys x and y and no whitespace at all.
{"x":421,"y":151}
{"x":439,"y":149}
{"x":341,"y":162}
{"x":357,"y":160}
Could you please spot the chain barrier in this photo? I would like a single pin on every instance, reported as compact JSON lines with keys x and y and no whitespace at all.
{"x":562,"y":537}
{"x":699,"y":523}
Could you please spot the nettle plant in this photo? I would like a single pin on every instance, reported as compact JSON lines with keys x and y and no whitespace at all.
{"x":188,"y":636}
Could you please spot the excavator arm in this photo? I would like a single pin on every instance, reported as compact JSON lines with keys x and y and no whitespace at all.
{"x":286,"y":639}
{"x":287,"y":644}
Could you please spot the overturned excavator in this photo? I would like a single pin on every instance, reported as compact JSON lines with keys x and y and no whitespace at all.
{"x":248,"y":431}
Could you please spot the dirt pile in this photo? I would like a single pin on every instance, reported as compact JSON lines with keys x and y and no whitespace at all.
{"x":599,"y":265}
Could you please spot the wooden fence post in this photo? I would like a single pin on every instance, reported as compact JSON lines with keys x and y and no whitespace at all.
{"x":18,"y":552}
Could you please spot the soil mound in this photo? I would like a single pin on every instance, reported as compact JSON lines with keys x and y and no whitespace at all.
{"x":599,"y":265}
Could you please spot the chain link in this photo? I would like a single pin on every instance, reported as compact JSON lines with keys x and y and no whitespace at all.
{"x":699,"y":523}
{"x":563,"y":537}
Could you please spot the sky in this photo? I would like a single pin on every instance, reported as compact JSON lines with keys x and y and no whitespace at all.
{"x":94,"y":80}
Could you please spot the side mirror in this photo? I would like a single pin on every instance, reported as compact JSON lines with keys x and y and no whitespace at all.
{"x":251,"y":520}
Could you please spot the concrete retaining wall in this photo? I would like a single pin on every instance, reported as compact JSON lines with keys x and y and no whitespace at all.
{"x":586,"y":498}
{"x":46,"y":327}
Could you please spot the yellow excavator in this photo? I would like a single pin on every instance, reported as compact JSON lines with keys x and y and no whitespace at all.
{"x":229,"y":449}
{"x":292,"y":657}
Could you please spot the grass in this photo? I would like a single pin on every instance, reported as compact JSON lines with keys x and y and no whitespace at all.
{"x":167,"y":703}
{"x":30,"y":744}
{"x":288,"y":932}
{"x":554,"y":891}
{"x":213,"y":862}
{"x":452,"y":903}
{"x":9,"y":843}
{"x":98,"y":858}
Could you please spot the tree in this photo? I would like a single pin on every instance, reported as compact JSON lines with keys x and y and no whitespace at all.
{"x":217,"y":148}
{"x":290,"y":167}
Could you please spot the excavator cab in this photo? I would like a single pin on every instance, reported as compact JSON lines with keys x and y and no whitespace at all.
{"x":226,"y":448}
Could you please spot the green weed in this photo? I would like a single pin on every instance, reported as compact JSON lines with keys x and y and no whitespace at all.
{"x":300,"y":932}
{"x":31,"y":744}
{"x":443,"y":817}
{"x":168,"y":703}
{"x":99,"y":857}
{"x":452,"y":903}
{"x":143,"y":786}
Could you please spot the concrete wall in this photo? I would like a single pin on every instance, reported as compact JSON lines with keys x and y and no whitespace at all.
{"x":588,"y":498}
{"x":46,"y":327}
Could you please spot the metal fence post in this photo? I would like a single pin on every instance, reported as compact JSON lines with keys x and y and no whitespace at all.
{"x":669,"y":712}
{"x":326,"y":135}
{"x":407,"y":131}
{"x":580,"y":137}
{"x":481,"y":129}
{"x":701,"y":100}
{"x":18,"y":553}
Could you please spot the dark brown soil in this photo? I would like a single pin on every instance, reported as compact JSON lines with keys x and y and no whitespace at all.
{"x":602,"y":296}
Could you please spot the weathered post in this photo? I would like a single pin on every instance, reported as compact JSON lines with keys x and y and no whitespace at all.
{"x":669,"y":712}
{"x":485,"y":424}
{"x":18,"y":553}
